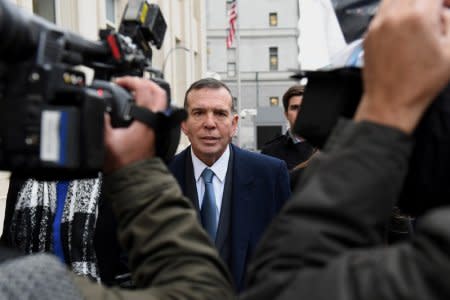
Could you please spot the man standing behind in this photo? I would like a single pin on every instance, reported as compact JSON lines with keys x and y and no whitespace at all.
{"x":289,"y":147}
{"x":236,"y":192}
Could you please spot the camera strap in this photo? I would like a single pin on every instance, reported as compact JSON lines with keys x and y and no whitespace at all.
{"x":166,"y":127}
{"x":158,"y":121}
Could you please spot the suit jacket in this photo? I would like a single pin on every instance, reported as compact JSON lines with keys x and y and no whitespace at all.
{"x":256,"y":187}
{"x":284,"y":148}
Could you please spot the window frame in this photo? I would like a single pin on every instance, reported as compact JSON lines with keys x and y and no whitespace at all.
{"x":273,"y":16}
{"x":274,"y":101}
{"x":110,"y":23}
{"x":273,"y":59}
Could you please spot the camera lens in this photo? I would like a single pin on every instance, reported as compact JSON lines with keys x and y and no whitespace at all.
{"x":15,"y":30}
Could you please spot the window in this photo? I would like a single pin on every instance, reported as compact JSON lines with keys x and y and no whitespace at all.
{"x":273,"y":19}
{"x":110,"y":11}
{"x":231,"y":55}
{"x":274,"y":101}
{"x":231,"y":69}
{"x":45,"y":9}
{"x":234,"y":104}
{"x":273,"y":58}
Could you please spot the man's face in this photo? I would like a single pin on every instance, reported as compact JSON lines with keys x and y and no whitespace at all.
{"x":293,"y":109}
{"x":210,"y":124}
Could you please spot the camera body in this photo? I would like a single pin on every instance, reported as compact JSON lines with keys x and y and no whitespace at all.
{"x":51,"y":119}
{"x":333,"y":94}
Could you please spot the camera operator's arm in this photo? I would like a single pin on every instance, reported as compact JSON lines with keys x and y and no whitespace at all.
{"x":317,"y":247}
{"x":170,"y":255}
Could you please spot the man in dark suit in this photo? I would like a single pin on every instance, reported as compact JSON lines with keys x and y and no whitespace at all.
{"x":246,"y":190}
{"x":294,"y":150}
{"x":290,"y":147}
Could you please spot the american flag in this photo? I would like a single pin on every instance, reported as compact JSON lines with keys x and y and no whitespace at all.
{"x":232,"y":16}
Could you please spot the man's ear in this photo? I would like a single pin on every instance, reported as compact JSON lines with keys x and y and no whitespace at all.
{"x":234,"y":124}
{"x":184,"y":128}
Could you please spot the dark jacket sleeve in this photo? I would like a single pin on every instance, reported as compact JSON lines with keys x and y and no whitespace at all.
{"x":283,"y":185}
{"x":345,"y":200}
{"x":170,"y":255}
{"x":410,"y":271}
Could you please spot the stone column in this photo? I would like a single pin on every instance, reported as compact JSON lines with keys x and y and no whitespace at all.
{"x":4,"y":184}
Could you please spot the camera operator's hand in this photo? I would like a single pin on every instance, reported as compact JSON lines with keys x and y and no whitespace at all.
{"x":406,"y":63}
{"x":136,"y":142}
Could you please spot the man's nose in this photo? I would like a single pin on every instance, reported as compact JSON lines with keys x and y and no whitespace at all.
{"x":210,"y":120}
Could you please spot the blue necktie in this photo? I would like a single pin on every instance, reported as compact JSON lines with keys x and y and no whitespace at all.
{"x":208,"y":211}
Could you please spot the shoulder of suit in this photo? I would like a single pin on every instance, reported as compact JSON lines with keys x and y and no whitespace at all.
{"x":259,"y":159}
{"x":178,"y":157}
{"x":275,"y":141}
{"x":243,"y":153}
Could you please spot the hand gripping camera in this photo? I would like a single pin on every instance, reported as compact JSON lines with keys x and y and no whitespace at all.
{"x":51,"y":120}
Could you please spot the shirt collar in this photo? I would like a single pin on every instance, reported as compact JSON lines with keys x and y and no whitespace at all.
{"x":219,"y":167}
{"x":295,"y":139}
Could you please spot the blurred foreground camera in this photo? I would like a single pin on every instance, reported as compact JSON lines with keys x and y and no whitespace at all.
{"x":332,"y":94}
{"x":51,"y":119}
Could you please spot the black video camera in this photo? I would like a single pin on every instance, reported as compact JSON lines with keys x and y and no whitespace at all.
{"x":332,"y":94}
{"x":51,"y":119}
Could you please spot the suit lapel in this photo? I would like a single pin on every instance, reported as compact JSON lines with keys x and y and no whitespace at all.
{"x":225,"y":211}
{"x":241,"y":220}
{"x":183,"y":171}
{"x":189,"y":181}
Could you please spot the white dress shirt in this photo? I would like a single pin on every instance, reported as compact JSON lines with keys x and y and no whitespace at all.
{"x":220,"y":171}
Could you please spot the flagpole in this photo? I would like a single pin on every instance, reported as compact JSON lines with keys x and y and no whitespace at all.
{"x":238,"y":72}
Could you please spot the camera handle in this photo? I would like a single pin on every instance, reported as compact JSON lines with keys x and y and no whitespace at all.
{"x":158,"y":121}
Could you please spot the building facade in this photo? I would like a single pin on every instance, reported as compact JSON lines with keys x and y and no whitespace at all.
{"x":265,"y":55}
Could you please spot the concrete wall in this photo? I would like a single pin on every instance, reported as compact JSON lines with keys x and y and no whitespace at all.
{"x":4,"y":183}
{"x":255,"y":13}
{"x":254,"y":51}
